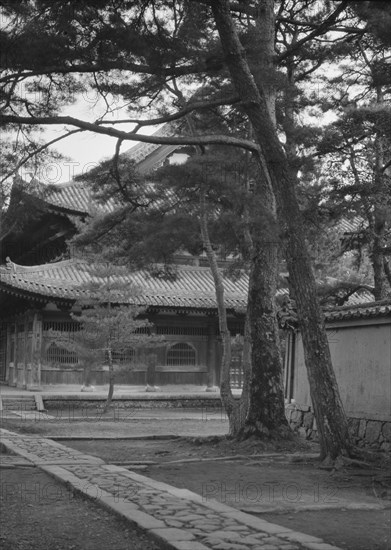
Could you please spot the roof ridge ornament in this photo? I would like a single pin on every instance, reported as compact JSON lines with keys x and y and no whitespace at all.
{"x":9,"y":264}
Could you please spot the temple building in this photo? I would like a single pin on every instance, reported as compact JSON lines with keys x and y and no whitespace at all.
{"x":39,"y":288}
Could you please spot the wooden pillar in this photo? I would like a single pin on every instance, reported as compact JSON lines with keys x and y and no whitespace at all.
{"x":14,"y":374}
{"x":36,"y":349}
{"x":18,"y":353}
{"x":25,"y":342}
{"x":8,"y":354}
{"x":290,"y":365}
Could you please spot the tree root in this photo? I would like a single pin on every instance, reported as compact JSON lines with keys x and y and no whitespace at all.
{"x":260,"y":432}
{"x":353,"y":458}
{"x":355,"y":462}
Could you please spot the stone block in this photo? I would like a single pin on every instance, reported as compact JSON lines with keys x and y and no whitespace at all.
{"x":171,"y":534}
{"x":372,"y":431}
{"x":302,"y":432}
{"x":173,"y":523}
{"x":296,"y":417}
{"x":189,"y":545}
{"x":386,"y":446}
{"x":361,"y":428}
{"x":308,"y":419}
{"x":386,"y":431}
{"x":229,"y":546}
{"x":354,"y":424}
{"x":226,"y":535}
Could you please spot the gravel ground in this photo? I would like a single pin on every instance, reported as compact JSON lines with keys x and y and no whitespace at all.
{"x":38,"y":513}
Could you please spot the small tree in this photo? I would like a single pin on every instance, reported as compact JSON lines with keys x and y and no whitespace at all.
{"x":111,"y":326}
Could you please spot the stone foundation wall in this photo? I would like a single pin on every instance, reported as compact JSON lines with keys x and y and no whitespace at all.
{"x":373,"y":434}
{"x":173,"y":402}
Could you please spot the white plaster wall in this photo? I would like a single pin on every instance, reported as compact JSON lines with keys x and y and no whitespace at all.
{"x":361,"y":358}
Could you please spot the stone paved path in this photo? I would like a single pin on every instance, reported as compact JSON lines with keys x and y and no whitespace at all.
{"x":179,"y":517}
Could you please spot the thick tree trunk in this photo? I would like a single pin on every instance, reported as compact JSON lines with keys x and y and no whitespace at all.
{"x":380,"y":213}
{"x":111,"y":382}
{"x":380,"y":278}
{"x":328,"y":409}
{"x":266,"y":415}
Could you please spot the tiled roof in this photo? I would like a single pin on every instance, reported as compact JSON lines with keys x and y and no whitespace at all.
{"x":76,"y":195}
{"x":352,"y":225}
{"x":191,"y":288}
{"x":367,"y":309}
{"x":359,"y":298}
{"x":142,"y":151}
{"x":359,"y":311}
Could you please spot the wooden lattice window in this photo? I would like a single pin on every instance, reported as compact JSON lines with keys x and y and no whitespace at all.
{"x":57,"y":354}
{"x":61,"y":326}
{"x":182,"y":331}
{"x":181,"y":354}
{"x":123,"y":357}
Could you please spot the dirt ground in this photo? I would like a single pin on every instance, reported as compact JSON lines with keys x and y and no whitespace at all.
{"x":38,"y":513}
{"x":350,"y":508}
{"x":175,"y":424}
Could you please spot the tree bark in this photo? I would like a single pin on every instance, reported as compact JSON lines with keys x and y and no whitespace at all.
{"x":380,"y":212}
{"x":111,"y":382}
{"x":266,"y":416}
{"x":328,"y":409}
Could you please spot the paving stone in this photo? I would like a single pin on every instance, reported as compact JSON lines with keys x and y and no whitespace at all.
{"x":173,"y":523}
{"x":226,"y":535}
{"x":213,"y":541}
{"x":172,"y":534}
{"x":198,"y":532}
{"x":158,"y":507}
{"x":301,"y":538}
{"x":145,"y":520}
{"x":190,"y":545}
{"x":249,"y":540}
{"x":208,"y":522}
{"x":236,"y":527}
{"x":190,"y":517}
{"x":230,"y":546}
{"x":320,"y":546}
{"x":206,"y":528}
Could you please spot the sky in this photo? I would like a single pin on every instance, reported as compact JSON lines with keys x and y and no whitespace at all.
{"x":84,"y":151}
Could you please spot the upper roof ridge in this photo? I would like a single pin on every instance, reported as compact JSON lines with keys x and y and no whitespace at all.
{"x":18,"y":268}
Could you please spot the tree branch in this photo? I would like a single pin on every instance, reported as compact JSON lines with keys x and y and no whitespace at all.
{"x":36,"y":152}
{"x":175,"y":116}
{"x":319,"y":30}
{"x":130,"y":136}
{"x":121,"y":65}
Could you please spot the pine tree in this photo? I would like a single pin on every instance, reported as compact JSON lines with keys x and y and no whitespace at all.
{"x":150,"y":53}
{"x":111,"y":326}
